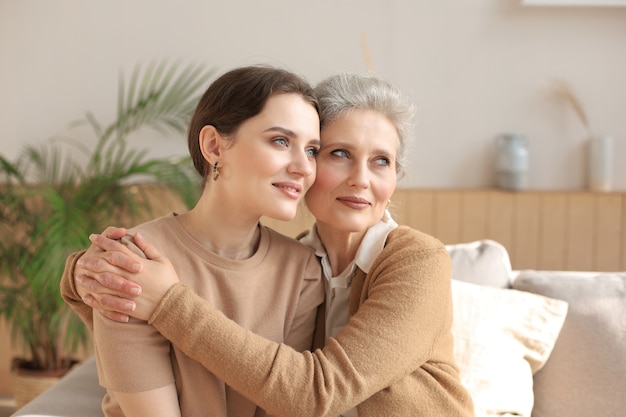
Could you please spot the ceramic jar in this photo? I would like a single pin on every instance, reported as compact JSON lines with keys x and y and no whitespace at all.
{"x":512,"y":155}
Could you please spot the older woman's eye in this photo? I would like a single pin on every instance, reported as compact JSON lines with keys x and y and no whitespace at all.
{"x":382,"y":161}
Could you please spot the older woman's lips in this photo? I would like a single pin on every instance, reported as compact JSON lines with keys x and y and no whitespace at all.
{"x":356,"y":203}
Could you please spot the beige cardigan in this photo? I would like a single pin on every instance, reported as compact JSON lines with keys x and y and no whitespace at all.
{"x":394,"y":358}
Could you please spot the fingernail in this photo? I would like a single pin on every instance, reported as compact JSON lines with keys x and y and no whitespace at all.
{"x":135,"y":291}
{"x":137,"y":267}
{"x":129,"y":306}
{"x":92,"y":237}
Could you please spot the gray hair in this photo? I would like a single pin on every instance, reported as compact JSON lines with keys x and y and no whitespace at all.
{"x":342,"y":93}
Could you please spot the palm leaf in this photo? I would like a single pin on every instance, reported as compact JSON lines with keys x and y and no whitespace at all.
{"x":45,"y":222}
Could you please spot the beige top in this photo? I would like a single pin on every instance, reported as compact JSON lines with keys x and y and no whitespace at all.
{"x":394,"y":358}
{"x":275,"y":293}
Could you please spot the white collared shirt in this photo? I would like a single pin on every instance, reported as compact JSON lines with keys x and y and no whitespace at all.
{"x":338,"y":288}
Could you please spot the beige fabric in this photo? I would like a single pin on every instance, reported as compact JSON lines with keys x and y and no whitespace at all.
{"x":400,"y":367}
{"x":484,"y":262}
{"x":274,"y":293}
{"x":502,"y":337}
{"x":586,"y":373}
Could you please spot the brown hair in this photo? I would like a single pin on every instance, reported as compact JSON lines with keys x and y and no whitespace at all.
{"x":236,"y":96}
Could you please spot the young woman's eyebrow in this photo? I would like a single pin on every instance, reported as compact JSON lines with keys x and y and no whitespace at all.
{"x":284,"y":131}
{"x":290,"y":133}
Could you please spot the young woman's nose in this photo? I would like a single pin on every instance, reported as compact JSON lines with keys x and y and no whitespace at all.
{"x":302,"y":164}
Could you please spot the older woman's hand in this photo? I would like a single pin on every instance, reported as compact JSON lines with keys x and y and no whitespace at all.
{"x":122,"y":275}
{"x":98,"y":276}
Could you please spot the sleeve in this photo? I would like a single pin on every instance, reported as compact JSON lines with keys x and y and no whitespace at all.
{"x":69,"y":293}
{"x":131,"y":357}
{"x":380,"y":344}
{"x":310,"y":298}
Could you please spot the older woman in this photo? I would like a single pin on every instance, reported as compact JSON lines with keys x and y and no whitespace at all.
{"x":388,"y":348}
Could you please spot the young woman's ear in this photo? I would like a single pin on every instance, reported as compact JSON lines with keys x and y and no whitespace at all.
{"x":210,"y":142}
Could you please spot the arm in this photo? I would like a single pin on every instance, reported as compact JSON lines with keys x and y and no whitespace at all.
{"x":392,"y":334}
{"x":69,"y":291}
{"x":133,"y":359}
{"x":134,"y":366}
{"x":157,"y":402}
{"x":406,"y":307}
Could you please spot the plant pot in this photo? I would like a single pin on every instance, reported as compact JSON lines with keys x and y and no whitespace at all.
{"x":28,"y":383}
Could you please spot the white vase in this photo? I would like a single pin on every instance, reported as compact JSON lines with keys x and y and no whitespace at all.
{"x":600,"y":170}
{"x":512,"y":161}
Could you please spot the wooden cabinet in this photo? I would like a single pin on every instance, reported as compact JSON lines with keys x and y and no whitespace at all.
{"x":555,"y":230}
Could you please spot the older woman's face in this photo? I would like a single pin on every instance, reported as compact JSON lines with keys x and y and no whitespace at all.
{"x":356,"y":171}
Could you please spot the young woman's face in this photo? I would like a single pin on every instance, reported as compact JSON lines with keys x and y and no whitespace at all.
{"x":270,"y":164}
{"x":356,"y":171}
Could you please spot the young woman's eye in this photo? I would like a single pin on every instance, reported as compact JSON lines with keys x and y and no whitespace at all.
{"x":281,"y":141}
{"x":340,"y":153}
{"x":312,"y":152}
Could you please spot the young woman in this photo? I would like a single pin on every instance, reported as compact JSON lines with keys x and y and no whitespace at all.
{"x":389,"y":344}
{"x":253,"y":139}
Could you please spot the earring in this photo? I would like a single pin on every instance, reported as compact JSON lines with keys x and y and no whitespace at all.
{"x":216,"y":172}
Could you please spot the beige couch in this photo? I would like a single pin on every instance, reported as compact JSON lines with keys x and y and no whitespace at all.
{"x":546,"y":343}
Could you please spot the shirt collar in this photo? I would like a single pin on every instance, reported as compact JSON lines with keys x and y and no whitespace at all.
{"x":371,"y":245}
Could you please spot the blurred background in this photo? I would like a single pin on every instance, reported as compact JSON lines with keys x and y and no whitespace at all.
{"x":475,"y":69}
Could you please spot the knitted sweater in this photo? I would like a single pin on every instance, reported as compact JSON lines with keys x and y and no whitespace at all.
{"x":394,"y":358}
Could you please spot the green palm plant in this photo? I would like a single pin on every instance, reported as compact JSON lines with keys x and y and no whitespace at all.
{"x":52,"y":196}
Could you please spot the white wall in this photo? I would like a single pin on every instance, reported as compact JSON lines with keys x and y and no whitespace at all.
{"x":475,"y":68}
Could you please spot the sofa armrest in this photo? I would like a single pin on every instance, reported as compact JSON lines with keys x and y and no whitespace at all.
{"x":77,"y":394}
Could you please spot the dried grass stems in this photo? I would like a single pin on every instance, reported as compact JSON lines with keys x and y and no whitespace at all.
{"x":563,"y":91}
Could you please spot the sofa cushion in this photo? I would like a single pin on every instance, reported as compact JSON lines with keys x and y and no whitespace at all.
{"x":501,"y":338}
{"x":77,"y":394}
{"x":484,"y":262}
{"x":586,"y":373}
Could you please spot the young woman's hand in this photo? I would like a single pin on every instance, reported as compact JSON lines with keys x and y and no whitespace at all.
{"x":156,"y":277}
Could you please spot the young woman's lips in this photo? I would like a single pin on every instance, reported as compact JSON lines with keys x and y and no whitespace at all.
{"x":290,"y":189}
{"x":356,"y":203}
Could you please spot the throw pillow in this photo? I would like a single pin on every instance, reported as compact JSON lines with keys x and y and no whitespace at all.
{"x":586,"y":373}
{"x":484,"y":262}
{"x":501,"y":338}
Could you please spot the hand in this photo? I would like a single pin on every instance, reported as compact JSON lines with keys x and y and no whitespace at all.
{"x":110,"y":275}
{"x":156,"y":278}
{"x":99,"y":283}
